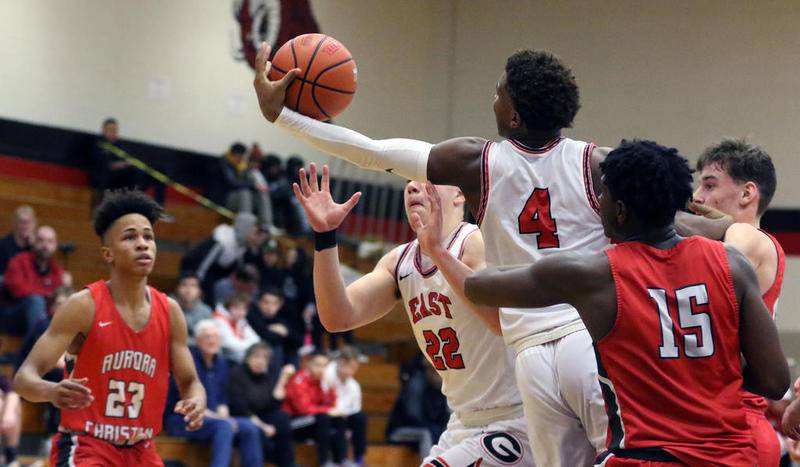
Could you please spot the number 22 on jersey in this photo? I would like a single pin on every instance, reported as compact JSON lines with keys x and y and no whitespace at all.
{"x":444,"y":343}
{"x":536,"y":218}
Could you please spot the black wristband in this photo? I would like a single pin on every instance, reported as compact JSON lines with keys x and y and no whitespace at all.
{"x":324,"y":240}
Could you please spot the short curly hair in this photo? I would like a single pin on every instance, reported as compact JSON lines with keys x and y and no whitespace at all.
{"x":542,"y":89}
{"x":744,"y":162}
{"x":118,"y":203}
{"x":653,"y":181}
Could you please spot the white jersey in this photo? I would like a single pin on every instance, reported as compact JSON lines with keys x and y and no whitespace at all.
{"x":537,"y":202}
{"x":476,"y":366}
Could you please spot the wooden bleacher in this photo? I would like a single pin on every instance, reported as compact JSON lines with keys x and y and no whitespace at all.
{"x":66,"y":208}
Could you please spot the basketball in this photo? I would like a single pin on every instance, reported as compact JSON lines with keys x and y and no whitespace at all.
{"x":327,"y":79}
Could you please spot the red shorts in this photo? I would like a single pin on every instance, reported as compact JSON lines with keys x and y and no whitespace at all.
{"x":767,"y":445}
{"x":88,"y":451}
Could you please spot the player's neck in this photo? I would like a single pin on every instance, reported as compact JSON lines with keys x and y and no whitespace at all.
{"x":663,"y":237}
{"x":535,"y":139}
{"x":128,"y":290}
{"x":746,"y":217}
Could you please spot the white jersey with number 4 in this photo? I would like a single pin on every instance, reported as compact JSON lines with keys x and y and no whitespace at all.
{"x":536,"y":202}
{"x":475,"y":365}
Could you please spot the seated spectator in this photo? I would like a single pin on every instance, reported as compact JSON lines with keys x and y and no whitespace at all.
{"x":267,"y":317}
{"x":339,"y":375}
{"x":271,"y":271}
{"x":298,"y":224}
{"x":187,"y":294}
{"x":219,"y":255}
{"x":313,"y":410}
{"x":243,"y":281}
{"x":30,"y":279}
{"x":239,"y":189}
{"x":52,"y":415}
{"x":219,"y":428}
{"x":10,"y":421}
{"x":21,"y":237}
{"x":420,"y":414}
{"x":262,"y":204}
{"x":237,"y":335}
{"x":257,"y":392}
{"x":109,"y":172}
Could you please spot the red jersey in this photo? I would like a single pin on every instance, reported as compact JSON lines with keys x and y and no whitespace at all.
{"x":752,"y":401}
{"x":670,"y":369}
{"x":305,"y":396}
{"x":128,"y":371}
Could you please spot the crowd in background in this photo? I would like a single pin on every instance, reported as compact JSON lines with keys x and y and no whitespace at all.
{"x":270,"y":373}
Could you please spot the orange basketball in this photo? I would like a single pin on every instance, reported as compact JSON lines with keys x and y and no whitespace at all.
{"x":327,"y":80}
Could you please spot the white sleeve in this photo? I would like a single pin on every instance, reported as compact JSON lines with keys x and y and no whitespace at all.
{"x":407,"y":158}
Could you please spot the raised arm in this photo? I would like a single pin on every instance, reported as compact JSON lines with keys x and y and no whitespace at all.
{"x":583,"y":281}
{"x":193,"y":396}
{"x":71,"y":320}
{"x":454,"y":162}
{"x":766,"y":371}
{"x":364,"y":301}
{"x":455,"y":270}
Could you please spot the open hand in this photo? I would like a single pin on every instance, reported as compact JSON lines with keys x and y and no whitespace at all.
{"x":71,"y":394}
{"x":271,"y":94}
{"x":429,"y":232}
{"x":192,"y":410}
{"x":323,"y":212}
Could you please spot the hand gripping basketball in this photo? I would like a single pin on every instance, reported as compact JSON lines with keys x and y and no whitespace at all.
{"x":271,"y":94}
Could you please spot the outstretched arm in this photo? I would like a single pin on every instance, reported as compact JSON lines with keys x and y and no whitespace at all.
{"x":583,"y":281}
{"x":452,"y":162}
{"x":72,"y":319}
{"x":367,"y":299}
{"x":705,"y":221}
{"x":193,"y":396}
{"x":766,"y":372}
{"x":455,"y":270}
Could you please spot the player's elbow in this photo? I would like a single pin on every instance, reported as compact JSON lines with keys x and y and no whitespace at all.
{"x":332,"y":322}
{"x":772,"y":383}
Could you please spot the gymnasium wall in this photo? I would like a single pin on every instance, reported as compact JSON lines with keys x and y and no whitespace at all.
{"x":165,"y":69}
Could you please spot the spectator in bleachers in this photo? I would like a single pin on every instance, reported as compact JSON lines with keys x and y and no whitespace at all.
{"x":313,"y":409}
{"x":420,"y":414}
{"x":280,"y":191}
{"x":30,"y":279}
{"x":188,"y":294}
{"x":298,"y":224}
{"x":10,"y":421}
{"x":109,"y":172}
{"x":266,"y":316}
{"x":21,"y":236}
{"x":236,"y":333}
{"x":219,"y":428}
{"x":257,"y":392}
{"x":262,"y":203}
{"x":340,"y":375}
{"x":243,"y":281}
{"x":220,"y":254}
{"x":270,"y":267}
{"x":239,"y":189}
{"x":52,"y":415}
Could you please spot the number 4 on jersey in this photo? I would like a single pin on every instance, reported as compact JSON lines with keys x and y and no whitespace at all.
{"x":535,"y":218}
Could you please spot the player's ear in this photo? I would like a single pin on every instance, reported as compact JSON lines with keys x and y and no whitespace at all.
{"x":106,"y":254}
{"x":620,"y":212}
{"x":516,"y":120}
{"x":459,"y":199}
{"x":749,"y":194}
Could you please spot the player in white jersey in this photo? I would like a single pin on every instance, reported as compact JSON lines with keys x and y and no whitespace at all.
{"x":487,"y":426}
{"x":532,"y":194}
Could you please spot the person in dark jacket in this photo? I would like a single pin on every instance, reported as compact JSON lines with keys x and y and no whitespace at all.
{"x":21,"y":236}
{"x":256,"y":393}
{"x":268,"y":320}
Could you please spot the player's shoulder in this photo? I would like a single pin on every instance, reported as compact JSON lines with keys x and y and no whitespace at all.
{"x":78,"y":309}
{"x":390,"y":260}
{"x":750,"y":240}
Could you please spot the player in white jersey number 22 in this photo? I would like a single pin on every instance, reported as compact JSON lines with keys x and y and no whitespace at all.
{"x":487,"y":427}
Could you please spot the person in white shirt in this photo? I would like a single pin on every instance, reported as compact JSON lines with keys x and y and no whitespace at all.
{"x":237,"y":335}
{"x":339,"y":375}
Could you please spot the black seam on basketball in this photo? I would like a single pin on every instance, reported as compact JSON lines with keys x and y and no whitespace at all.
{"x":308,"y":69}
{"x":323,"y":86}
{"x":331,"y":67}
{"x":316,"y":102}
